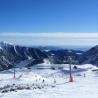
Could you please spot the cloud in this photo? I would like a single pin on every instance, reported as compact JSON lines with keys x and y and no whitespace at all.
{"x":56,"y":39}
{"x":55,"y":35}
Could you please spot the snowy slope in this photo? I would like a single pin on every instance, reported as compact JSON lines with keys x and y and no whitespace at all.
{"x":47,"y":83}
{"x":0,"y":48}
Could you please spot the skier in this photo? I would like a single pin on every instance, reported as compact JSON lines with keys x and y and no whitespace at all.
{"x":43,"y":80}
{"x":84,"y":75}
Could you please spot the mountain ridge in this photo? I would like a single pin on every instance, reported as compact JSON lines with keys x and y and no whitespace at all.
{"x":12,"y":54}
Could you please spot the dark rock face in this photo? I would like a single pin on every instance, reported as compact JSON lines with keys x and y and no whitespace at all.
{"x":90,"y":56}
{"x":14,"y":54}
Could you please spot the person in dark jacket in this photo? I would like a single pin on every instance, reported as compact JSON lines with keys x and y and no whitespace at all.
{"x":75,"y":67}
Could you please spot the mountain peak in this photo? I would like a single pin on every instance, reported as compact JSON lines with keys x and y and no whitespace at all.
{"x":6,"y":43}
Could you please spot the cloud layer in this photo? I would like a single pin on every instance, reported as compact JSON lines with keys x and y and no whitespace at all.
{"x":55,"y":35}
{"x":57,"y":39}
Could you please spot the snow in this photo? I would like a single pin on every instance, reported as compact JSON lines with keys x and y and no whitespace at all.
{"x":55,"y":83}
{"x":47,"y":50}
{"x":46,"y":64}
{"x":0,"y":47}
{"x":5,"y":43}
{"x":16,"y":50}
{"x":46,"y":61}
{"x":78,"y":53}
{"x":23,"y":63}
{"x":5,"y":60}
{"x":88,"y":66}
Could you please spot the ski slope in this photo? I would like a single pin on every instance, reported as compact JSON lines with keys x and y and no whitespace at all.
{"x":48,"y":83}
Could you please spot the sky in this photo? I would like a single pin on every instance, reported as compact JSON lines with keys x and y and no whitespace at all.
{"x":49,"y":22}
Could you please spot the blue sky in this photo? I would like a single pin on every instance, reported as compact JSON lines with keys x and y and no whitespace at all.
{"x":19,"y":18}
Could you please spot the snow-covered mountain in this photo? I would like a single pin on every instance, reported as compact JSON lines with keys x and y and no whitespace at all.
{"x":11,"y":55}
{"x":90,"y":56}
{"x":46,"y":82}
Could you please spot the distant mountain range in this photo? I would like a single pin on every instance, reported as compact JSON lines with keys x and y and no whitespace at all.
{"x":15,"y":55}
{"x":81,"y":48}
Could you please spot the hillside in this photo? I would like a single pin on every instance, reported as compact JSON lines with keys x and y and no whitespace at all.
{"x":11,"y":55}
